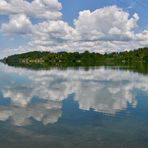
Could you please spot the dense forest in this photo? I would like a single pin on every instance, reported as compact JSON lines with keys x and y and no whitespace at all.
{"x":45,"y":60}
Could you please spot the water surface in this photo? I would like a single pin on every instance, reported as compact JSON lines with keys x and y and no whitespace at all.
{"x":73,"y":108}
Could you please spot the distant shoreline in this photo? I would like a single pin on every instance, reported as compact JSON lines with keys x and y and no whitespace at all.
{"x":139,"y":55}
{"x":136,"y":60}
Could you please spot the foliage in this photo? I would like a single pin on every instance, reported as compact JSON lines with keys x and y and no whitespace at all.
{"x":136,"y":59}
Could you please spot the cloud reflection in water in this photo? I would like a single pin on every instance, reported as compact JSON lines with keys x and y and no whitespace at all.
{"x":40,"y":94}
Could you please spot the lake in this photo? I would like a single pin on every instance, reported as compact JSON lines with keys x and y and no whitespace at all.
{"x":73,"y":108}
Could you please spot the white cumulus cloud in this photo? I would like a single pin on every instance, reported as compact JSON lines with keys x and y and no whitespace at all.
{"x":109,"y":23}
{"x":18,"y":24}
{"x":102,"y":30}
{"x":47,"y":9}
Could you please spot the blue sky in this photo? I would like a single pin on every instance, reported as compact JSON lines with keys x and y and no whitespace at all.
{"x":17,"y":28}
{"x":71,"y":8}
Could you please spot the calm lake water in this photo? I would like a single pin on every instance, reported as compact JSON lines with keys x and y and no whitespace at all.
{"x":73,"y":108}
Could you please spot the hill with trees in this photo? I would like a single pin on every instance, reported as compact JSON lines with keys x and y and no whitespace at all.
{"x":46,"y":60}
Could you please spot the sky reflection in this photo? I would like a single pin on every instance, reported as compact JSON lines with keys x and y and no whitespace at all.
{"x":40,"y":94}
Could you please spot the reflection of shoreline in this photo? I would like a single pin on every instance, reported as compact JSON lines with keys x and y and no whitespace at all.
{"x":103,"y":90}
{"x":141,"y":67}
